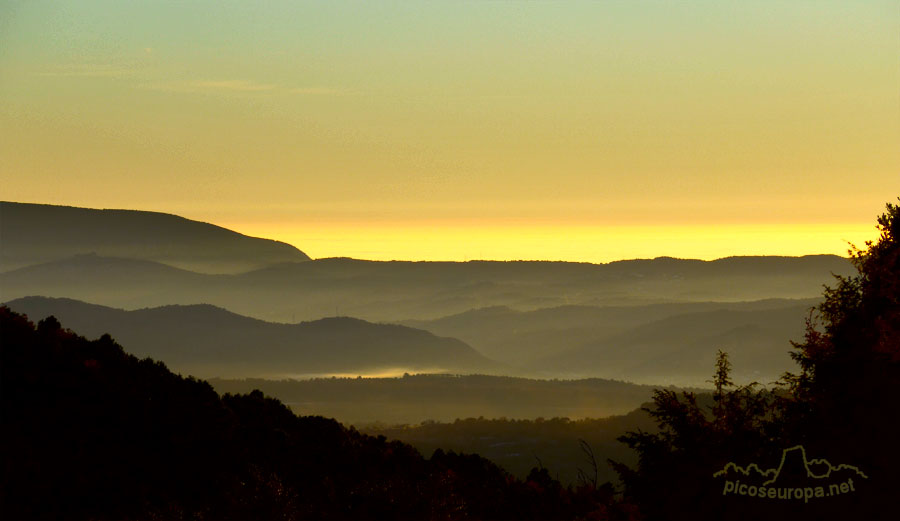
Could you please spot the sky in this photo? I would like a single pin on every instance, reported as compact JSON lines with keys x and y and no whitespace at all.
{"x":459,"y":130}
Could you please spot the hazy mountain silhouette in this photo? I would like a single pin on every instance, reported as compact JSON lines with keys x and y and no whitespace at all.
{"x":208,"y":341}
{"x":393,"y":291}
{"x":677,"y":349}
{"x":38,"y":233}
{"x":113,"y":281}
{"x":521,"y":337}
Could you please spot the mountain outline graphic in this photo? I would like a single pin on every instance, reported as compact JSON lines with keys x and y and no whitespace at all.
{"x":794,"y":459}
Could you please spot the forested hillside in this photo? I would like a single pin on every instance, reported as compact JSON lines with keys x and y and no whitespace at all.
{"x":568,"y":449}
{"x":90,"y":432}
{"x":821,"y":446}
{"x":109,"y":436}
{"x":207,"y":341}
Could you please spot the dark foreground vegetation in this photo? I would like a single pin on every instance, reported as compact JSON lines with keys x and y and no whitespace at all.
{"x":842,"y":407}
{"x":90,"y":432}
{"x":568,"y":449}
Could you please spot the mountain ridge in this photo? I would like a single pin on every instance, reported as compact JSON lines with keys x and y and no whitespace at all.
{"x":36,"y":233}
{"x":210,"y":340}
{"x":400,"y":291}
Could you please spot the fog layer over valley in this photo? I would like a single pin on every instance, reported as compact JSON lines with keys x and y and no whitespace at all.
{"x":414,"y":399}
{"x":207,"y":341}
{"x":397,"y":291}
{"x":657,"y":321}
{"x":658,"y":343}
{"x":525,"y":363}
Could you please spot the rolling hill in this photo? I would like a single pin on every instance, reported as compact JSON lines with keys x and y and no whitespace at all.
{"x":657,"y":343}
{"x":395,"y":291}
{"x":515,"y":336}
{"x":115,"y":437}
{"x":681,"y":349}
{"x":204,"y":340}
{"x":40,"y":233}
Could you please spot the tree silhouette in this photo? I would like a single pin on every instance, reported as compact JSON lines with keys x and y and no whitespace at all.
{"x":90,"y":432}
{"x":842,"y":405}
{"x":845,"y":394}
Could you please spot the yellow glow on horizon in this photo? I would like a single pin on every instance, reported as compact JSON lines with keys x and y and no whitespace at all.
{"x":521,"y":124}
{"x":574,"y":243}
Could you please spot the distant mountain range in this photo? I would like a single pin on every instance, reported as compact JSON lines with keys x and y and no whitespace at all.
{"x":681,"y":349}
{"x":660,"y":343}
{"x":38,"y":233}
{"x":394,"y":291}
{"x":673,"y":344}
{"x":649,"y":320}
{"x":204,"y":340}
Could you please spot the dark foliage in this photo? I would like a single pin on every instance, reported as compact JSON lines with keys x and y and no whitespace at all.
{"x":846,"y":393}
{"x":561,"y":445}
{"x":842,"y":406}
{"x":90,"y":432}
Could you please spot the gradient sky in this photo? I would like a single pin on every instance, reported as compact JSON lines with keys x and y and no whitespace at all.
{"x":587,"y":131}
